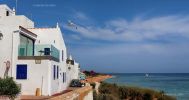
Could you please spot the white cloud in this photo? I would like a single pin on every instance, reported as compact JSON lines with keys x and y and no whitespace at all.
{"x":136,"y":30}
{"x":143,"y":57}
{"x":135,"y":52}
{"x":80,"y":15}
{"x":76,"y":37}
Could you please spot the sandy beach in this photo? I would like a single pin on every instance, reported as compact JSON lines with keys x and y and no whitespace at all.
{"x":99,"y":78}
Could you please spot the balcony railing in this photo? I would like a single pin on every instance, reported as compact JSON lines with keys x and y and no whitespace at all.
{"x":40,"y":51}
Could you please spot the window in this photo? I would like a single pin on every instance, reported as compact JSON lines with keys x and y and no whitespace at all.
{"x":7,"y":13}
{"x":46,"y":51}
{"x":63,"y":77}
{"x":57,"y":74}
{"x":26,"y":47}
{"x":1,"y":36}
{"x":21,"y":72}
{"x":54,"y":69}
{"x":22,"y":52}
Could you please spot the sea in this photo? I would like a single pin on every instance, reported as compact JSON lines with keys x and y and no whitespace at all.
{"x":174,"y":84}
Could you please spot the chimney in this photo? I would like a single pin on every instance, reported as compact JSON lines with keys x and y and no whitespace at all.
{"x":14,"y":11}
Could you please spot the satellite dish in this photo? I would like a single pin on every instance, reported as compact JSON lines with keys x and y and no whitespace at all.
{"x":1,"y":36}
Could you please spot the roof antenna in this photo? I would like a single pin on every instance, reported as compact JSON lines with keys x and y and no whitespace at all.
{"x":16,"y":5}
{"x":57,"y":25}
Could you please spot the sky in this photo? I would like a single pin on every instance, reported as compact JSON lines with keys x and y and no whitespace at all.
{"x":119,"y":36}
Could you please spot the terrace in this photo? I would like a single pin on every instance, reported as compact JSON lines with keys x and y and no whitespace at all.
{"x":41,"y":52}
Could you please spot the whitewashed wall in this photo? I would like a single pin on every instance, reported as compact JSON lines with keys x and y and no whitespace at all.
{"x":9,"y":52}
{"x":36,"y":73}
{"x":54,"y":36}
{"x":8,"y":25}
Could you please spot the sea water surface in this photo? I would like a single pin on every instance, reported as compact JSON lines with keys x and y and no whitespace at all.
{"x":174,"y":84}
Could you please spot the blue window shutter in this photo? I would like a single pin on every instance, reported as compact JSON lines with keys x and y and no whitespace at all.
{"x":21,"y":72}
{"x":63,"y":77}
{"x":54,"y":75}
{"x":57,"y":74}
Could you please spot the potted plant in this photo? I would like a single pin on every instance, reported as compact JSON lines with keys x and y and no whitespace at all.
{"x":8,"y":88}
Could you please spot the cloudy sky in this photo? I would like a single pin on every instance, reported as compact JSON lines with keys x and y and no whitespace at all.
{"x":123,"y":36}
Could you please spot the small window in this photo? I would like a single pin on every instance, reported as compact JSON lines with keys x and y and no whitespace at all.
{"x":1,"y":36}
{"x":46,"y":51}
{"x":57,"y":73}
{"x":21,"y":72}
{"x":54,"y":69}
{"x":7,"y":13}
{"x":63,"y":77}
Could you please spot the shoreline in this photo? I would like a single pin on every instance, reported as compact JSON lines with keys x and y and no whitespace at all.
{"x":98,"y":78}
{"x":123,"y":92}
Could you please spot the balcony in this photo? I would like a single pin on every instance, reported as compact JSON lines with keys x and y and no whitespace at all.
{"x":41,"y":52}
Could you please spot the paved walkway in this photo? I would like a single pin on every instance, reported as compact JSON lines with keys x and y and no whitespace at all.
{"x":31,"y":97}
{"x":78,"y":93}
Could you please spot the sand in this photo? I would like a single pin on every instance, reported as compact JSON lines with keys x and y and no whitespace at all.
{"x":99,"y":78}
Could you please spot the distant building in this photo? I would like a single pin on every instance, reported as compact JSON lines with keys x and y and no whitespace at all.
{"x":73,"y":68}
{"x":34,"y":57}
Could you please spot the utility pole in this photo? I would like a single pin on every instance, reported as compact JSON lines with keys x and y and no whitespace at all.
{"x":16,"y":5}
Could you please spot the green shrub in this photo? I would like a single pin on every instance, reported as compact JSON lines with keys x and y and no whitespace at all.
{"x":147,"y":96}
{"x":123,"y":92}
{"x":95,"y":95}
{"x":109,"y":91}
{"x":106,"y":97}
{"x":106,"y":88}
{"x":9,"y":88}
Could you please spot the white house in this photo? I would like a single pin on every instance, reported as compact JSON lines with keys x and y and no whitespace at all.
{"x":34,"y":57}
{"x":73,"y":69}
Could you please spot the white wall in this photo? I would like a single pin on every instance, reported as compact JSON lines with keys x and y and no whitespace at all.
{"x":9,"y":24}
{"x":9,"y":51}
{"x":54,"y":36}
{"x":36,"y":73}
{"x":4,"y":9}
{"x":89,"y":96}
{"x":76,"y":71}
{"x":7,"y":27}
